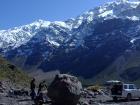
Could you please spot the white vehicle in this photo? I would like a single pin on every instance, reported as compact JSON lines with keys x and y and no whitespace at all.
{"x":127,"y":91}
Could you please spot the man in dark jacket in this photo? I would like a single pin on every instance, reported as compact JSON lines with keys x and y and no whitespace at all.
{"x":32,"y":87}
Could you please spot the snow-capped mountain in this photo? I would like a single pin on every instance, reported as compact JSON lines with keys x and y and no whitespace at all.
{"x":85,"y":45}
{"x":15,"y":37}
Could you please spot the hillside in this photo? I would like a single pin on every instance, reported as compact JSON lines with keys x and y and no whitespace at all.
{"x":9,"y":72}
{"x":125,"y":68}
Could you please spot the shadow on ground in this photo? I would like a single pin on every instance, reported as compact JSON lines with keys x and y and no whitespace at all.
{"x":120,"y":101}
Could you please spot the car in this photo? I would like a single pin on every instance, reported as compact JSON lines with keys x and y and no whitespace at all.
{"x":127,"y":91}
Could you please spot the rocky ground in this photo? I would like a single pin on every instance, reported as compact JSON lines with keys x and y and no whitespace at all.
{"x":106,"y":100}
{"x":90,"y":100}
{"x":69,"y":89}
{"x":6,"y":100}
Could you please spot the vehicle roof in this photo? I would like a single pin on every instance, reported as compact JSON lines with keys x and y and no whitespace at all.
{"x":113,"y":81}
{"x":128,"y":84}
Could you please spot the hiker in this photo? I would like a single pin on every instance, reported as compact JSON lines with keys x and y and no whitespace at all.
{"x":40,"y":99}
{"x":0,"y":84}
{"x":42,"y":85}
{"x":32,"y":87}
{"x":1,"y":87}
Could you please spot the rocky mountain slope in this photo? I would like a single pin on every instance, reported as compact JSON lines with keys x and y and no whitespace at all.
{"x":11,"y":74}
{"x":93,"y":44}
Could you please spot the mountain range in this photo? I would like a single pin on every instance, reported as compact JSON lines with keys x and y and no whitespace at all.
{"x":102,"y":43}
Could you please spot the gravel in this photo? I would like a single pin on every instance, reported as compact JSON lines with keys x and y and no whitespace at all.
{"x":99,"y":100}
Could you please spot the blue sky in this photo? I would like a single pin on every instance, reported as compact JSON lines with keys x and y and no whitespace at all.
{"x":20,"y":12}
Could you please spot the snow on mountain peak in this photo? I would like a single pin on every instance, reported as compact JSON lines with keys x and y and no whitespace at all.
{"x":18,"y":36}
{"x":109,"y":10}
{"x":120,"y":9}
{"x":41,"y":23}
{"x":62,"y":24}
{"x":106,"y":13}
{"x":134,"y":18}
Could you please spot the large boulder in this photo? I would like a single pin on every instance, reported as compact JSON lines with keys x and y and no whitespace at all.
{"x":65,"y":90}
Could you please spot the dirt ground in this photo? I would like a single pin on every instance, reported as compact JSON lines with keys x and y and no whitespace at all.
{"x":99,"y":100}
{"x":106,"y":100}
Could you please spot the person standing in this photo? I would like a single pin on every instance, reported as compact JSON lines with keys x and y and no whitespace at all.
{"x":40,"y":99}
{"x":32,"y":87}
{"x":42,"y":85}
